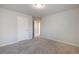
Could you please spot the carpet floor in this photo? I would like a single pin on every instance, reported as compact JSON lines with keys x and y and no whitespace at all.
{"x":39,"y":46}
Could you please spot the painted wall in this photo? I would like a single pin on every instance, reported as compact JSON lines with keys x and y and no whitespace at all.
{"x":62,"y":26}
{"x":24,"y":27}
{"x":9,"y":26}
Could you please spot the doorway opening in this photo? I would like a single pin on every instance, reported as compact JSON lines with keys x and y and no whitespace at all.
{"x":36,"y":27}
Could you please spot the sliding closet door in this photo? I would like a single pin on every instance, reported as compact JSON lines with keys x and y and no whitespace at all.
{"x":24,"y":27}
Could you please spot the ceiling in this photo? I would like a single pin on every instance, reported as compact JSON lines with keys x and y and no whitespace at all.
{"x":47,"y":10}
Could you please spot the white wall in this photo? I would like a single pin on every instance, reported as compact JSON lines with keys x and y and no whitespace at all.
{"x":24,"y":23}
{"x":9,"y":26}
{"x":63,"y":26}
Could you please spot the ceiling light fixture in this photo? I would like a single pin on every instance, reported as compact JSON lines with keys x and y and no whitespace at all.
{"x":39,"y":5}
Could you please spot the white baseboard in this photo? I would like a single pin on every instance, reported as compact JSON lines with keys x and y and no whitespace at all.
{"x":61,"y":41}
{"x":9,"y":43}
{"x":69,"y":43}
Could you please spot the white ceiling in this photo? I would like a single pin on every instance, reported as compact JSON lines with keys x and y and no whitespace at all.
{"x":47,"y":10}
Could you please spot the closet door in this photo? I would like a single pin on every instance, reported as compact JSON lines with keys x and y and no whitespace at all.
{"x":24,"y":27}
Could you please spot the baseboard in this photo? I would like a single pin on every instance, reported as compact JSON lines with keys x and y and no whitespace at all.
{"x":73,"y":44}
{"x":9,"y":43}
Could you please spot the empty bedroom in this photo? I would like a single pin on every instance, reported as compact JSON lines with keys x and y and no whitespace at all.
{"x":39,"y":28}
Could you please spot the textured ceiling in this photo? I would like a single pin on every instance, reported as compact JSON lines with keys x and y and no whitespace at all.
{"x":47,"y":10}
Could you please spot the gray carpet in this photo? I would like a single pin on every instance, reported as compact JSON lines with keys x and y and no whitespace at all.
{"x":38,"y":46}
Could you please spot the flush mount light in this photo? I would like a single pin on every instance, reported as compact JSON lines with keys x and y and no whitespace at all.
{"x":39,"y":5}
